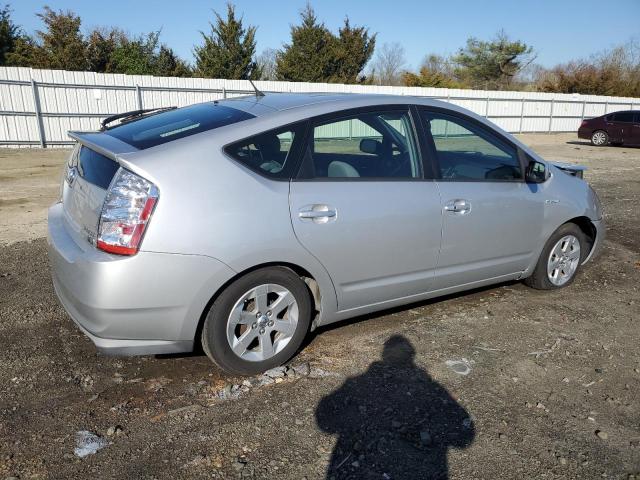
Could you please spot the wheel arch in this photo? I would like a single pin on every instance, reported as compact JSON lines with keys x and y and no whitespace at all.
{"x":313,"y":287}
{"x":588,"y":229}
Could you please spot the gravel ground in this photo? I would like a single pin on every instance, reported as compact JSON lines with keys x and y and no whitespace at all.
{"x":503,"y":382}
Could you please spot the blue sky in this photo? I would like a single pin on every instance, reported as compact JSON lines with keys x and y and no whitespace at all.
{"x":559,"y":30}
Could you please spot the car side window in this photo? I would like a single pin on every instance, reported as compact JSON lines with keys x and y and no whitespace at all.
{"x":364,"y":145}
{"x":268,"y":153}
{"x":624,"y":117}
{"x":469,"y":152}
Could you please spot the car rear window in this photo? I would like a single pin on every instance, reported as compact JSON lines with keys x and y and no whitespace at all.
{"x":174,"y":124}
{"x":94,"y":167}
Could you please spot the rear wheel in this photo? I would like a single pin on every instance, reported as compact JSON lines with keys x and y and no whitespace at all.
{"x":258,"y":322}
{"x":599,"y":138}
{"x":560,"y":259}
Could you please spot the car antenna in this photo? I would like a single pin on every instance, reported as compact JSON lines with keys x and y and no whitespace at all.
{"x":255,"y":89}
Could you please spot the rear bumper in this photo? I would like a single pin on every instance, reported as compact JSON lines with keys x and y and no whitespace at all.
{"x":596,"y":249}
{"x":584,"y":133}
{"x":149,"y":303}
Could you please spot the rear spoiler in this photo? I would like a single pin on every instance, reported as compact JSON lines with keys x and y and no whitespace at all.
{"x":102,"y":143}
{"x":570,"y":168}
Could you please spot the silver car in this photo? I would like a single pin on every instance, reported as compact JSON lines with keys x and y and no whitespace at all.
{"x":243,"y":224}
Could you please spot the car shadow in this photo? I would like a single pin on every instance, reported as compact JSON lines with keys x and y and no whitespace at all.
{"x":401,"y":308}
{"x":578,"y":142}
{"x":393,"y":421}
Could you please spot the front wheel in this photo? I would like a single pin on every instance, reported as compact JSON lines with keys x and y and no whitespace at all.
{"x":258,"y":322}
{"x":599,"y":138}
{"x":560,"y":259}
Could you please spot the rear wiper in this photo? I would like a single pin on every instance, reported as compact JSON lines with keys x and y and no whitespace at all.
{"x":132,"y":115}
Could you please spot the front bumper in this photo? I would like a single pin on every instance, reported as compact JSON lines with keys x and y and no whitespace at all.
{"x":149,"y":303}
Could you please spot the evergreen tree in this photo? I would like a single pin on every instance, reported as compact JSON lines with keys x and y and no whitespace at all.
{"x":9,"y":34}
{"x":228,"y":51}
{"x":61,"y":45}
{"x":167,"y":64}
{"x":310,"y":55}
{"x":101,"y":45}
{"x":491,"y":64}
{"x":353,"y":49}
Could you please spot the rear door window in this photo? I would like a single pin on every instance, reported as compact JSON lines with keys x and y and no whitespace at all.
{"x":624,"y":117}
{"x":167,"y":126}
{"x":375,"y":144}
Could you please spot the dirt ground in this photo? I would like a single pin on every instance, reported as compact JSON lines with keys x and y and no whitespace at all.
{"x":503,"y":382}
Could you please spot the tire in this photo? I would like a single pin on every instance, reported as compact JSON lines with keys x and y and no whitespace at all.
{"x":237,"y":316}
{"x":541,"y":279}
{"x":599,"y":138}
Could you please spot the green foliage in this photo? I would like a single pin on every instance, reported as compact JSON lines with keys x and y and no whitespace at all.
{"x":228,"y":51}
{"x":101,"y":45}
{"x":317,"y":55}
{"x":491,"y":64}
{"x":308,"y":58}
{"x":61,"y":45}
{"x":9,"y":34}
{"x":352,"y":50}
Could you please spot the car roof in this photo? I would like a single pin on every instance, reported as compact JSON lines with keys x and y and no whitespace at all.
{"x":278,"y":102}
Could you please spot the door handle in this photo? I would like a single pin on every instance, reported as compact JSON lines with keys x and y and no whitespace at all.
{"x":459,"y":206}
{"x":317,"y":213}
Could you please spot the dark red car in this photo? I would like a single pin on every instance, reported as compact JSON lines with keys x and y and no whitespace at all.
{"x":613,"y":128}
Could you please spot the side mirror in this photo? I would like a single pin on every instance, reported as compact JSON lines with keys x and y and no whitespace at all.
{"x":536,"y":172}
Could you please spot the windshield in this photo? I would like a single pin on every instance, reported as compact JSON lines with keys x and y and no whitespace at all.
{"x":174,"y":124}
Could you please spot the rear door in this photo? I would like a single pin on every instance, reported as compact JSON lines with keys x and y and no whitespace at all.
{"x":363,"y":208}
{"x":492,"y":219}
{"x":620,"y":127}
{"x":634,"y":138}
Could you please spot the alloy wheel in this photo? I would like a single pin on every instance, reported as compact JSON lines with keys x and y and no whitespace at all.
{"x":563,"y":260}
{"x":599,"y":138}
{"x":262,"y":322}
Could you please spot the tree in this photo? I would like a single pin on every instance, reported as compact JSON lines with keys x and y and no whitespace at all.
{"x":310,"y":55}
{"x":228,"y":51}
{"x":353,"y":49}
{"x":267,"y":62}
{"x":435,"y":71}
{"x":9,"y":34}
{"x":167,"y":64}
{"x":612,"y":72}
{"x":137,"y":55}
{"x":388,"y":64}
{"x":101,"y":45}
{"x":492,"y":64}
{"x":61,"y":45}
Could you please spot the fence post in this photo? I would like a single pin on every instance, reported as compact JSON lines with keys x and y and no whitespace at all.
{"x":522,"y":113}
{"x":139,"y":97}
{"x":224,"y":92}
{"x":486,"y":109}
{"x":553,"y":100}
{"x":606,"y":106}
{"x":38,"y":112}
{"x":584,"y":106}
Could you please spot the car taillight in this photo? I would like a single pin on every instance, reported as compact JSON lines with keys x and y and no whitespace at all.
{"x":584,"y":123}
{"x":125,"y":214}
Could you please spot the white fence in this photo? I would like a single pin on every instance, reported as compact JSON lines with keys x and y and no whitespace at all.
{"x":38,"y":107}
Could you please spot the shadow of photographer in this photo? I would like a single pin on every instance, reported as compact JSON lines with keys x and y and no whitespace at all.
{"x":394,"y":421}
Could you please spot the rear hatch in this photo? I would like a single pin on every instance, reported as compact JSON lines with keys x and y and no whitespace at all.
{"x":94,"y":161}
{"x":87,"y":176}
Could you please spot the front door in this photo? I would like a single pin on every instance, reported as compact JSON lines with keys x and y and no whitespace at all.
{"x":492,"y":219}
{"x":363,"y":208}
